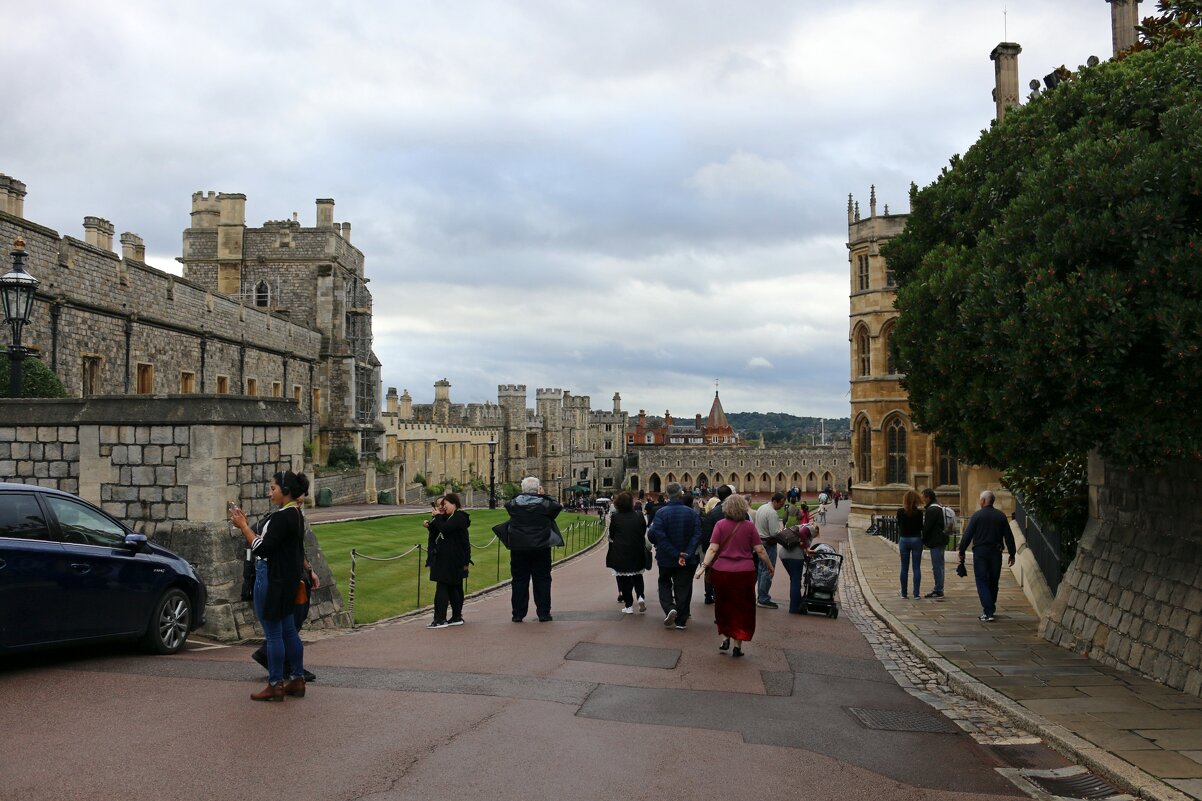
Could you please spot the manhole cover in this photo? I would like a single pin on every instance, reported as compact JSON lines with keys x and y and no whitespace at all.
{"x":902,"y":720}
{"x":590,"y":614}
{"x":1073,"y":783}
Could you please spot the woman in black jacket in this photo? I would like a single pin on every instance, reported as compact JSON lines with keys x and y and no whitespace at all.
{"x":627,"y":555}
{"x":450,"y":553}
{"x":909,"y":540}
{"x":280,"y":552}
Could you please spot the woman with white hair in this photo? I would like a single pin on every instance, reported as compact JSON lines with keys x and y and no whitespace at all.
{"x":731,"y":558}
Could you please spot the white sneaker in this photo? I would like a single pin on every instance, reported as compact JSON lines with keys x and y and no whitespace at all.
{"x":642,"y":605}
{"x":670,"y":620}
{"x":628,"y":610}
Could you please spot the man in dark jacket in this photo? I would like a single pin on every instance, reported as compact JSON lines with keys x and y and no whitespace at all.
{"x":986,"y":531}
{"x":532,"y":533}
{"x":708,"y":521}
{"x":675,"y":532}
{"x":935,"y":538}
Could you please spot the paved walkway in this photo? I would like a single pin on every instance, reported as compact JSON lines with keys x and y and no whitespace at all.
{"x":1141,"y":735}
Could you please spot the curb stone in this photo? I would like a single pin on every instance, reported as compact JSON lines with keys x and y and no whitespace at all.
{"x":1122,"y":773}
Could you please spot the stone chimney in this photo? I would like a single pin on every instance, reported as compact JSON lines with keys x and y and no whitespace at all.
{"x":391,"y":399}
{"x":325,"y":212}
{"x":98,"y":233}
{"x":1005,"y":76}
{"x":133,"y":247}
{"x":12,"y":196}
{"x":346,"y":232}
{"x":406,"y":409}
{"x":1124,"y":16}
{"x":617,"y":403}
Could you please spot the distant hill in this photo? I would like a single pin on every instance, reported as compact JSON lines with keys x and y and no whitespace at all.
{"x":779,"y":428}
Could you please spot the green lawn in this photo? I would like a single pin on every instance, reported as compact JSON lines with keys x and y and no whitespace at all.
{"x":385,"y":589}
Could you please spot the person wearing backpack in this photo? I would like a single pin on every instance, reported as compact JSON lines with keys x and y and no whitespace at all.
{"x":935,"y":536}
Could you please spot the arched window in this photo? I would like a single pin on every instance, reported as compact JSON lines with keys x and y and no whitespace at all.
{"x":262,"y":294}
{"x":949,"y":469}
{"x":895,"y":452}
{"x":864,"y":452}
{"x":863,"y":354}
{"x":886,"y":342}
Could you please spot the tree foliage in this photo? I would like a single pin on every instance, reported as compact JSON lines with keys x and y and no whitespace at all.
{"x":1050,"y":281}
{"x":37,"y":380}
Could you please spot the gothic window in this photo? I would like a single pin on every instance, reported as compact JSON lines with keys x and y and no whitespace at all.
{"x":890,"y":280}
{"x":145,"y":379}
{"x":262,"y":294}
{"x":895,"y":452}
{"x":862,"y":262}
{"x":863,"y":353}
{"x":864,"y":452}
{"x":187,"y":382}
{"x":949,"y":469}
{"x":91,"y":375}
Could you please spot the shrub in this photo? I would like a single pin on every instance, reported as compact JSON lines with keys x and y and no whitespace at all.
{"x":37,"y":380}
{"x":342,"y":457}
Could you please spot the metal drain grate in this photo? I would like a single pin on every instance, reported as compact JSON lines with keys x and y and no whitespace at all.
{"x":1074,"y":782}
{"x":902,"y":720}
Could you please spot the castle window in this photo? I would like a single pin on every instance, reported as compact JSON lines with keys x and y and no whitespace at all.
{"x":863,"y":272}
{"x":145,"y":380}
{"x":187,"y":382}
{"x":296,"y":392}
{"x":90,"y":384}
{"x":949,"y":469}
{"x":890,"y":280}
{"x":650,"y":439}
{"x":252,"y":386}
{"x":895,"y":452}
{"x":531,"y":445}
{"x":864,"y":452}
{"x":609,"y":462}
{"x":863,"y":352}
{"x":609,"y":427}
{"x":262,"y":294}
{"x":223,"y":385}
{"x":277,"y":389}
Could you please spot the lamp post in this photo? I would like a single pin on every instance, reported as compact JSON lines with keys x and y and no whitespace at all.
{"x":492,"y":472}
{"x":17,"y":289}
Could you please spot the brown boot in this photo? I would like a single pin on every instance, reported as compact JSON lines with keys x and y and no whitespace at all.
{"x":272,"y":692}
{"x":295,"y":687}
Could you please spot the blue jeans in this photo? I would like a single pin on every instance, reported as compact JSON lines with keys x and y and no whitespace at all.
{"x":937,"y":555}
{"x":987,"y":570}
{"x":795,"y":568}
{"x":763,"y":581}
{"x":281,"y":636}
{"x":911,"y":558}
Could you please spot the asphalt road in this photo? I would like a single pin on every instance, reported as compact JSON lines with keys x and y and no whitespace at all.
{"x":595,"y":705}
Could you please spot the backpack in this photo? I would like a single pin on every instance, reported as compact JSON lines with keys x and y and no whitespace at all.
{"x":949,"y":521}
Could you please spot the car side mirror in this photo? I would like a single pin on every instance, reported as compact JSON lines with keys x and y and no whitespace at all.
{"x":135,"y":542}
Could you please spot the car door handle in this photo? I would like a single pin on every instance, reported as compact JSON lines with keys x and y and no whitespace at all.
{"x":81,"y":567}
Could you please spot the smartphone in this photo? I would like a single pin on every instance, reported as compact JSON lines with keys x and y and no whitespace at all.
{"x":230,"y":507}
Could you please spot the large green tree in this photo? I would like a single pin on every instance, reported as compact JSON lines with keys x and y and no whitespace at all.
{"x":1050,"y":280}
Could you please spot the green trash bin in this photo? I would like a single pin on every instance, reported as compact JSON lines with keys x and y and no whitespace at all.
{"x":325,"y":497}
{"x":385,"y":497}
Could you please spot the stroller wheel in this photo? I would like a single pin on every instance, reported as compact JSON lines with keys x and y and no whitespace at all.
{"x":803,"y":609}
{"x":833,"y":613}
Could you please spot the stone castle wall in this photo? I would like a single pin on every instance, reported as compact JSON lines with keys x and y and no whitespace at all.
{"x":769,"y":469}
{"x":166,"y":467}
{"x":1132,"y":597}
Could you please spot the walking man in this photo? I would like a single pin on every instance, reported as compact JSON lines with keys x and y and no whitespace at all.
{"x":986,"y":531}
{"x":675,"y":531}
{"x":934,"y":537}
{"x":532,"y":533}
{"x":767,"y":523}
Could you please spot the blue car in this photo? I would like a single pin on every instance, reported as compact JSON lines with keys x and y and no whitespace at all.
{"x":70,"y":573}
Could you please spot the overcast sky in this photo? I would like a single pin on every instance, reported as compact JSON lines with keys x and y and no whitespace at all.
{"x":639,"y":197}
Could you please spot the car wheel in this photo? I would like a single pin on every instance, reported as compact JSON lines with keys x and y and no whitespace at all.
{"x":169,"y":625}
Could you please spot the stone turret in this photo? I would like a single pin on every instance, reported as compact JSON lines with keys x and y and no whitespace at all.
{"x":206,"y":210}
{"x":442,"y":402}
{"x":1005,"y":76}
{"x":12,"y":196}
{"x":617,"y":403}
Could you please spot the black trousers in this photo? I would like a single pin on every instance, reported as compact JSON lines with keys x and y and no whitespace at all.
{"x":531,"y":567}
{"x":631,"y":587}
{"x":448,"y":592}
{"x":676,"y":589}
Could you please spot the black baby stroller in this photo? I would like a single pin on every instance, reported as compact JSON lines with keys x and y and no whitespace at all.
{"x":820,"y":581}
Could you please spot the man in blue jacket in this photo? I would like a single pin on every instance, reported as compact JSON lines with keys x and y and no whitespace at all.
{"x":986,"y":531}
{"x":675,"y":532}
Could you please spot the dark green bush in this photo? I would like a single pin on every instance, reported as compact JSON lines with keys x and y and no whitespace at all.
{"x":342,"y":457}
{"x":37,"y":380}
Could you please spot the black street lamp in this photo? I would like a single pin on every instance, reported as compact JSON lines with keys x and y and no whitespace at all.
{"x":17,"y":289}
{"x":492,"y":472}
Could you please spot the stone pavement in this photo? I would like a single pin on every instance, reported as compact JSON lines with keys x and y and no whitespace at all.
{"x":1139,"y":734}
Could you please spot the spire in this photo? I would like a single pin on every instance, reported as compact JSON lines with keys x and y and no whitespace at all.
{"x":717,"y":418}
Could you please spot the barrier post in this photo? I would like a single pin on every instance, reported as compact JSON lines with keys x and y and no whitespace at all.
{"x":498,"y":560}
{"x":419,"y":575}
{"x":352,"y":587}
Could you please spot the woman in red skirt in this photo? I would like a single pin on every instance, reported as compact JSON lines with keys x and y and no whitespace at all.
{"x":731,"y":557}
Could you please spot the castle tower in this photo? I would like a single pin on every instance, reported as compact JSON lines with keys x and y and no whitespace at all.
{"x":553,"y":466}
{"x":617,"y":403}
{"x":313,"y":276}
{"x":442,"y":402}
{"x":512,"y":449}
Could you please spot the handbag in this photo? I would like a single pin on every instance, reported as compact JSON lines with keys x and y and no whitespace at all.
{"x":788,"y":538}
{"x":502,"y":531}
{"x":302,"y":593}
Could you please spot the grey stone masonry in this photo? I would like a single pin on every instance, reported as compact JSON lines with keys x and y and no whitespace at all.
{"x":1132,"y":598}
{"x":167,"y":467}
